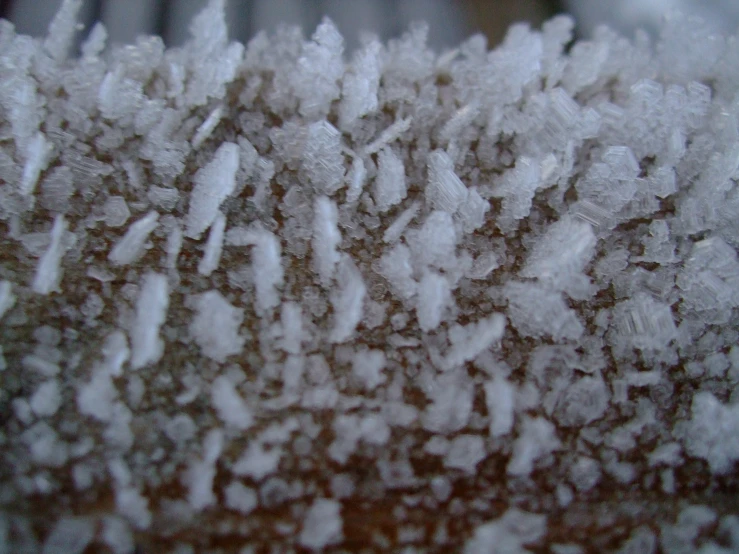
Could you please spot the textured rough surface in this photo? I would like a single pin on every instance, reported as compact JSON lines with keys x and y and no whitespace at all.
{"x":279,"y":295}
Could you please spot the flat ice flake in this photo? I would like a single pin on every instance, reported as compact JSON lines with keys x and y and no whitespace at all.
{"x":643,"y":323}
{"x":561,"y":253}
{"x":360,"y":84}
{"x":472,"y":211}
{"x":213,"y":184}
{"x":451,"y":404}
{"x":709,"y":280}
{"x":266,"y":265}
{"x":36,"y":159}
{"x":62,"y":29}
{"x":517,"y":188}
{"x":484,"y":265}
{"x":471,"y":340}
{"x":395,"y":230}
{"x":395,"y":266}
{"x":151,"y":311}
{"x":291,"y":319}
{"x":116,"y":534}
{"x":500,"y":398}
{"x":173,"y":246}
{"x":445,"y":191}
{"x":200,"y":474}
{"x":7,"y":298}
{"x":206,"y":128}
{"x":712,"y":433}
{"x":322,"y":526}
{"x":130,"y":247}
{"x":435,"y":243}
{"x":582,"y":402}
{"x":241,"y":498}
{"x":115,"y":352}
{"x":611,"y":182}
{"x":257,"y":461}
{"x":465,"y":452}
{"x":347,"y":301}
{"x":48,"y":272}
{"x":388,"y":136}
{"x":390,"y":187}
{"x":229,"y":405}
{"x":210,"y":52}
{"x":70,"y":535}
{"x":319,"y":69}
{"x":367,"y":368}
{"x":213,"y":246}
{"x":535,"y":312}
{"x":47,"y":398}
{"x":323,"y":162}
{"x":355,"y":178}
{"x":115,"y":211}
{"x":509,"y":534}
{"x":537,"y":438}
{"x":641,"y":541}
{"x":434,"y":295}
{"x":97,"y":397}
{"x":95,"y":42}
{"x":326,"y":238}
{"x":215,"y":327}
{"x":134,"y":506}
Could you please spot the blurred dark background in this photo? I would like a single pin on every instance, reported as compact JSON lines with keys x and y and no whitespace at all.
{"x":450,"y":20}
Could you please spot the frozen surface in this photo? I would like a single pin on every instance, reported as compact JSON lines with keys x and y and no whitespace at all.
{"x":299,"y":297}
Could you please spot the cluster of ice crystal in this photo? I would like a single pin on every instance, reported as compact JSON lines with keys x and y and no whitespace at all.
{"x":482,"y":301}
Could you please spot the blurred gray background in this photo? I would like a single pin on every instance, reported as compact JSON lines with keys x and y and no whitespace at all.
{"x":450,"y":20}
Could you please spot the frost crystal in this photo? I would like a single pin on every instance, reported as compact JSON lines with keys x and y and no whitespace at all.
{"x":213,"y":184}
{"x":151,"y":311}
{"x":239,"y":278}
{"x":131,"y":246}
{"x":215,"y":326}
{"x":48,"y":271}
{"x":444,"y":191}
{"x":322,"y":525}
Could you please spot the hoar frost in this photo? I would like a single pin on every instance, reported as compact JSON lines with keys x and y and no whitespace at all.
{"x":286,"y":293}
